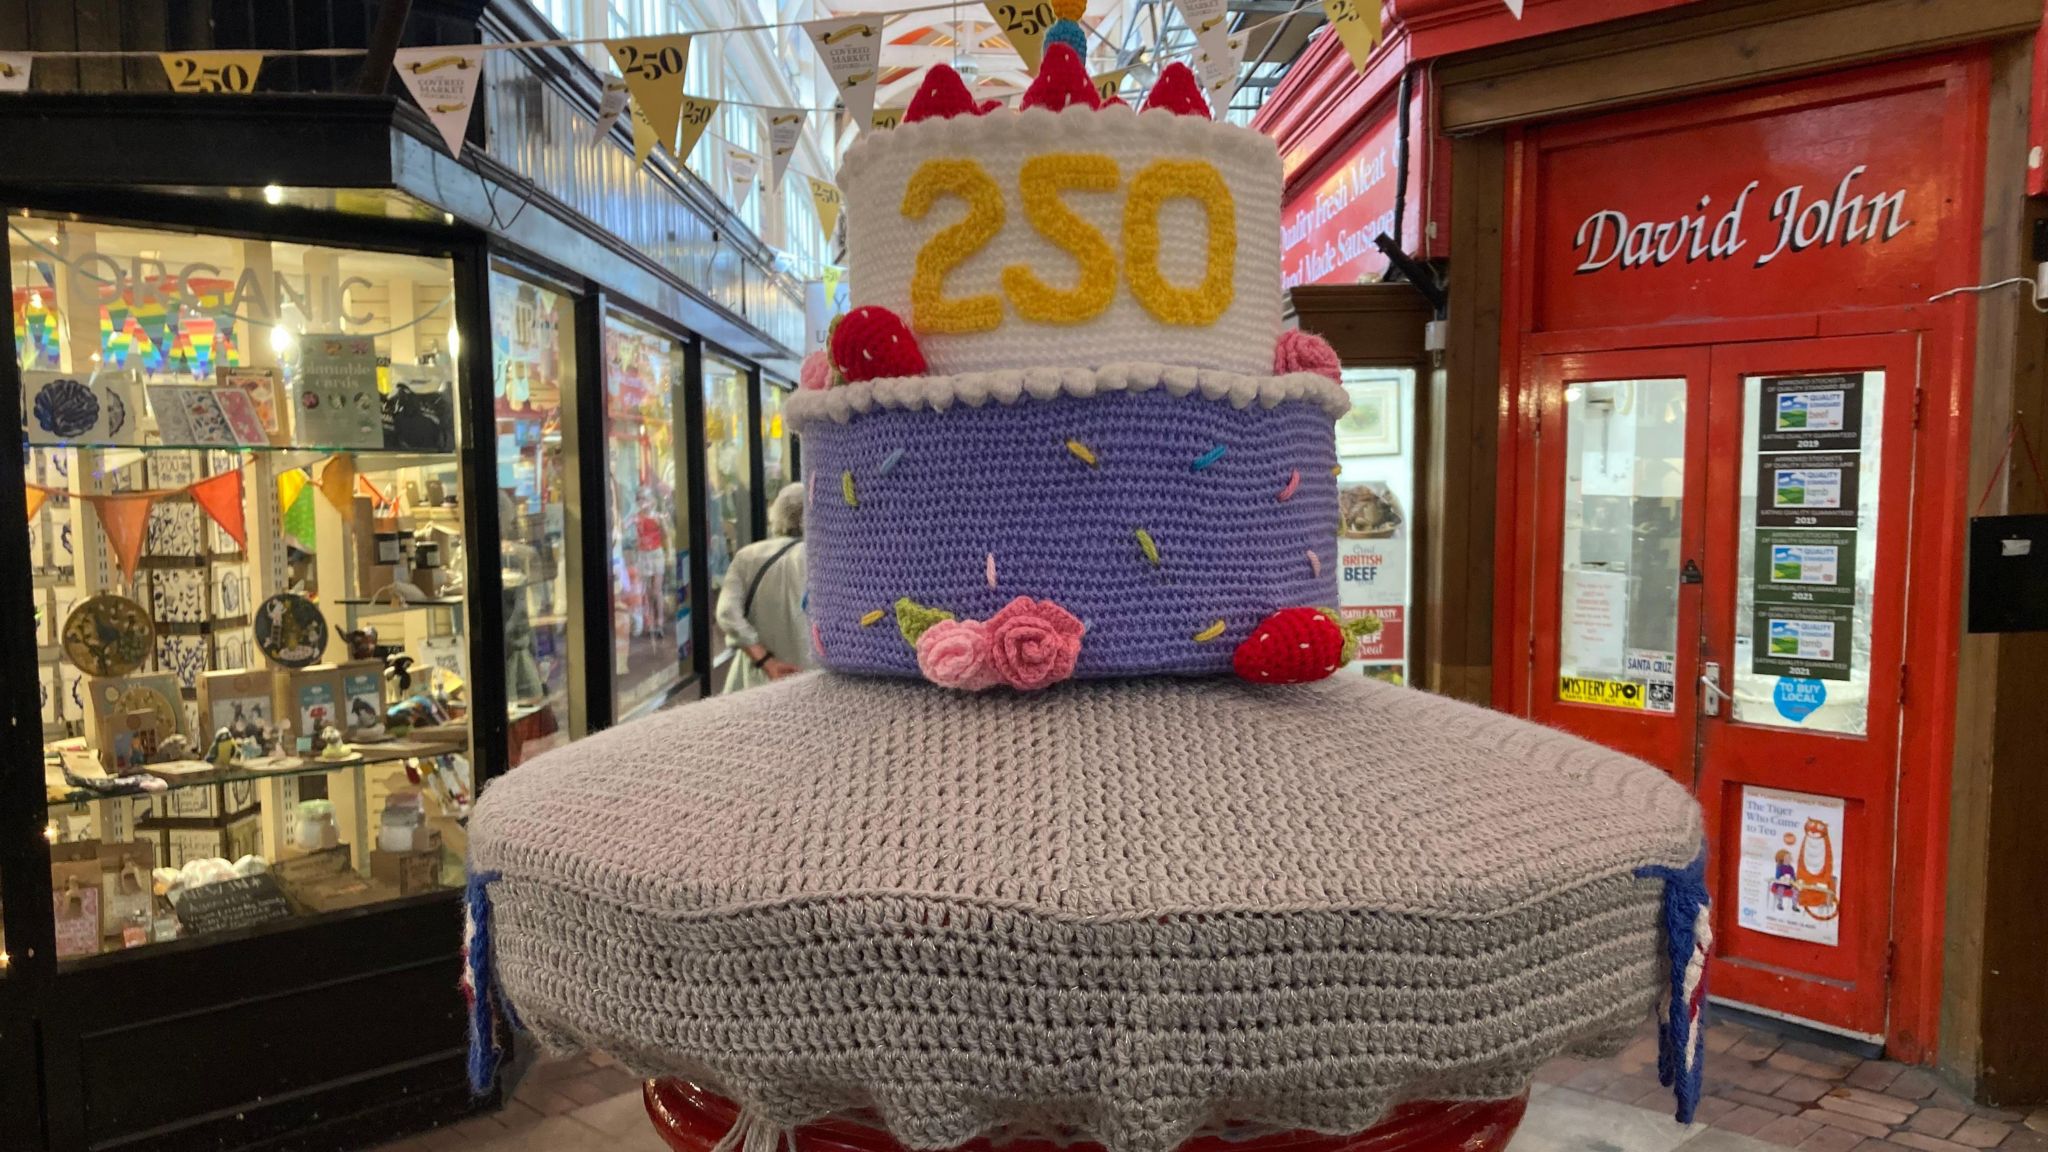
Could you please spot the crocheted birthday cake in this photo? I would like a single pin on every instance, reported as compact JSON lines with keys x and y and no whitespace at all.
{"x":1065,"y":381}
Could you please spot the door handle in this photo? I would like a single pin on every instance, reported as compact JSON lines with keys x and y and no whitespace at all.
{"x":1710,"y":683}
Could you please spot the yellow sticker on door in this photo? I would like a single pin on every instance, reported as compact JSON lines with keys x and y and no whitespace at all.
{"x":1606,"y":693}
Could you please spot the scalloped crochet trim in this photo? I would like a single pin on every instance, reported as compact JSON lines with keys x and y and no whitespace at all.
{"x":974,"y":389}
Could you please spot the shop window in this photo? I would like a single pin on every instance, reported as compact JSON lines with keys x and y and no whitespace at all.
{"x":649,"y":526}
{"x":533,"y":364}
{"x":728,"y":471}
{"x":246,"y":559}
{"x":1624,"y":483}
{"x":776,"y":453}
{"x":1376,"y":499}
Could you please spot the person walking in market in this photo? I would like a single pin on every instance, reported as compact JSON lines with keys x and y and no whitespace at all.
{"x":761,"y":604}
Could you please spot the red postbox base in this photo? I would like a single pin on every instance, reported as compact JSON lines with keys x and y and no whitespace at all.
{"x":693,"y":1120}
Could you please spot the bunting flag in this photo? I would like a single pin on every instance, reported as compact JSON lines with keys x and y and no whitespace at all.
{"x":212,"y":71}
{"x":14,"y":70}
{"x":888,"y":117}
{"x":1107,"y":84}
{"x":654,"y":67}
{"x":338,"y":482}
{"x":1358,"y":24}
{"x":1204,"y":17}
{"x":697,"y":112}
{"x":124,"y":517}
{"x":295,"y":504}
{"x":443,"y":81}
{"x":221,"y":497}
{"x":645,"y":135}
{"x":785,"y":129}
{"x":609,"y":106}
{"x":36,"y":496}
{"x":742,"y":166}
{"x":1024,"y":23}
{"x":1218,"y":64}
{"x":825,"y":198}
{"x":851,"y":47}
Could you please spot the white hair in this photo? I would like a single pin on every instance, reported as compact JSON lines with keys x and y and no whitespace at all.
{"x":786,"y":514}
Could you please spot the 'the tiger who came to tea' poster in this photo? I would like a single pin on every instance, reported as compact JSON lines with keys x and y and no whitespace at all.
{"x":1791,"y":877}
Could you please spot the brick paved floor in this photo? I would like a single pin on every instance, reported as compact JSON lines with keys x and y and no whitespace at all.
{"x":1764,"y":1092}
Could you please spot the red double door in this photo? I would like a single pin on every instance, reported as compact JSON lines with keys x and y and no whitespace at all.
{"x":1717,"y":577}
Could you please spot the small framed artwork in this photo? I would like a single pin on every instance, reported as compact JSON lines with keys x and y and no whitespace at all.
{"x":1373,"y":426}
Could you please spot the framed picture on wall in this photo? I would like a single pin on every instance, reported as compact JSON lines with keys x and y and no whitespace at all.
{"x":1373,"y":426}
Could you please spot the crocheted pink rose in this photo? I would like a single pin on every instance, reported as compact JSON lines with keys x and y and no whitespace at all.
{"x":816,"y":372}
{"x":955,"y":654}
{"x":1300,"y":351}
{"x":1034,"y":643}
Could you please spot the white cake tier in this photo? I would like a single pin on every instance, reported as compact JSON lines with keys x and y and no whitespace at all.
{"x":1082,"y":237}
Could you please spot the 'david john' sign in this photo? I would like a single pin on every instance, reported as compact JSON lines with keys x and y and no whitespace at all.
{"x":1797,"y":209}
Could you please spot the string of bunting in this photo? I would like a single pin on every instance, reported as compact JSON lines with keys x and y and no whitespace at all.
{"x":124,"y":516}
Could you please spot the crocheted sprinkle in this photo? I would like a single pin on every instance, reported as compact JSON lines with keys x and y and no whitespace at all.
{"x":913,"y":619}
{"x":1083,"y":453}
{"x":1315,"y":563}
{"x":846,"y":490}
{"x":1209,"y":457}
{"x":889,"y":462}
{"x":1293,"y":486}
{"x":817,"y":640}
{"x":1151,"y":549}
{"x":1209,"y":633}
{"x":1336,"y":469}
{"x":991,"y":569}
{"x":872,"y":618}
{"x":1062,"y":81}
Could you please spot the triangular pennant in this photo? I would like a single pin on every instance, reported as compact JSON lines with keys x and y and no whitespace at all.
{"x":14,"y":69}
{"x":654,"y":67}
{"x":1108,"y":83}
{"x":1515,"y":6}
{"x":1218,"y":60}
{"x":785,"y":129}
{"x":851,"y":47}
{"x":295,"y":498}
{"x":221,"y":497}
{"x":887,"y":117}
{"x":697,"y":112}
{"x":1024,"y":23}
{"x":443,"y":80}
{"x":742,"y":166}
{"x":125,"y":520}
{"x":36,"y":496}
{"x":825,"y":198}
{"x":338,"y":482}
{"x":645,"y":134}
{"x":212,"y":71}
{"x":1358,"y":24}
{"x":609,"y":107}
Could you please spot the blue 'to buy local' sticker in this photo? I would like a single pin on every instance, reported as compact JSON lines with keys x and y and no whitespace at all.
{"x":1797,"y":697}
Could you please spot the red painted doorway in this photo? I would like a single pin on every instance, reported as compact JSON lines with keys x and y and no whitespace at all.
{"x":1709,"y":528}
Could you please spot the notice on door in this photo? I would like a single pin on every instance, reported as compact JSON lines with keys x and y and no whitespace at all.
{"x":1810,"y":413}
{"x":1595,"y":617}
{"x":1805,"y":566}
{"x":1791,"y":873}
{"x":1802,"y":641}
{"x":1606,"y":693}
{"x":1806,"y":490}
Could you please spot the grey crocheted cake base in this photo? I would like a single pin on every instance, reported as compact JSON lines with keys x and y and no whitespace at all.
{"x":1116,"y":911}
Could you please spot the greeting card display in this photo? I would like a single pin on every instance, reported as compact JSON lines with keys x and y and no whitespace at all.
{"x":68,"y":408}
{"x":188,"y":415}
{"x":338,"y":405}
{"x":266,"y":396}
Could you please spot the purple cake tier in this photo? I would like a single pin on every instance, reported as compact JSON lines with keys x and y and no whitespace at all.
{"x":937,"y":493}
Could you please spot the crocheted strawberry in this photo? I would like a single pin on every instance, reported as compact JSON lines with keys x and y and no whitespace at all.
{"x":1292,"y":646}
{"x":1062,"y":82}
{"x":872,"y":343}
{"x":1178,"y":92}
{"x":942,"y":96}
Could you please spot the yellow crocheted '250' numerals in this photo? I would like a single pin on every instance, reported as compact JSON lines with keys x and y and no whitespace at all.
{"x":930,"y":311}
{"x":1151,"y":188}
{"x":1040,"y":182}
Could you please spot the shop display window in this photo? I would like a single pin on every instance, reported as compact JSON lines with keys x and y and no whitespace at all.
{"x":728,"y":471}
{"x":533,"y":364}
{"x":245,"y":554}
{"x":777,"y":454}
{"x":1376,"y":498}
{"x":649,"y":530}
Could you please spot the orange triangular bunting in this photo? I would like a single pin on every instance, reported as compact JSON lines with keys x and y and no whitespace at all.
{"x":338,"y":482}
{"x":36,"y":496}
{"x":221,"y":496}
{"x":125,"y":520}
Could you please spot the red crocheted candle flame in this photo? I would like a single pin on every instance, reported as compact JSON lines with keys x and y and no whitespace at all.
{"x":942,"y":96}
{"x":1178,"y":92}
{"x":1292,"y":646}
{"x":872,"y":343}
{"x":1062,"y":82}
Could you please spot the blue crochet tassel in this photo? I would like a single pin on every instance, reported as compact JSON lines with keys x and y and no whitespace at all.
{"x":1688,"y":937}
{"x":479,"y":989}
{"x":1068,"y":32}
